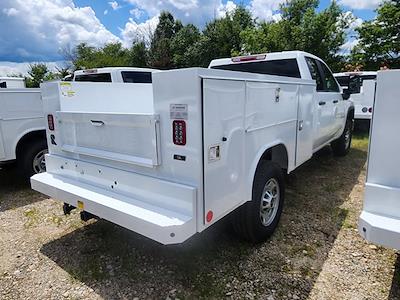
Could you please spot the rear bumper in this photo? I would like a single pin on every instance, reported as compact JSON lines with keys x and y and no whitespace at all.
{"x":167,"y":224}
{"x":380,"y":219}
{"x":380,"y":230}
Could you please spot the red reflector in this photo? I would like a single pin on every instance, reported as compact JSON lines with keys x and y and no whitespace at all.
{"x":249,"y":58}
{"x":209,"y":216}
{"x":370,"y":109}
{"x":50,"y":122}
{"x":179,"y":132}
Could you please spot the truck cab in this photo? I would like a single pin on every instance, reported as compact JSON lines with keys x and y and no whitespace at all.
{"x":12,"y":83}
{"x":361,"y":86}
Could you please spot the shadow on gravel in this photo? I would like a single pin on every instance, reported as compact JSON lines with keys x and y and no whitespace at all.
{"x":118,"y":263}
{"x":395,"y":289}
{"x":15,"y":191}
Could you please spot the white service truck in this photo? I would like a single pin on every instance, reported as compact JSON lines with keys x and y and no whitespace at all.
{"x":203,"y":144}
{"x":380,"y":218}
{"x":362,"y":86}
{"x":22,"y":126}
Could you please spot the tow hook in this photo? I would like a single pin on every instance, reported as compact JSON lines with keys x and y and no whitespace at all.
{"x":86,"y":216}
{"x":67,"y":208}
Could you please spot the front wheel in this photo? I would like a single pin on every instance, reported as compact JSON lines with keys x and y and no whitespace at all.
{"x":342,"y":145}
{"x":257,"y":219}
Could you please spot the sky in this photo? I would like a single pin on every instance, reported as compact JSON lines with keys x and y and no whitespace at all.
{"x":41,"y":30}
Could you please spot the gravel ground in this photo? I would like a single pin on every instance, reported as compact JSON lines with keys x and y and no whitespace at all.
{"x":315,"y":254}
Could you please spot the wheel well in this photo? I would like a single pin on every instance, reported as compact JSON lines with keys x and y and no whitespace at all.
{"x":29,"y":138}
{"x":277,"y":154}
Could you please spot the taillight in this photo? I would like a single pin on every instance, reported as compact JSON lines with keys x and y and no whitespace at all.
{"x":179,"y":132}
{"x":370,"y":110}
{"x":50,"y":122}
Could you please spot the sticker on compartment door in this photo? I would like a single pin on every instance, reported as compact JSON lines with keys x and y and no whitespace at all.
{"x":178,"y":111}
{"x":214,"y":153}
{"x":66,"y":89}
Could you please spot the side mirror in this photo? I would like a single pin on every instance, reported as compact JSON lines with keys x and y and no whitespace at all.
{"x":346,"y":95}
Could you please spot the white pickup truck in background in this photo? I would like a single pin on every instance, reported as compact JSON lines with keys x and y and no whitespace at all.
{"x":22,"y":126}
{"x":203,"y":144}
{"x":380,"y":219}
{"x":362,"y":86}
{"x":114,"y":74}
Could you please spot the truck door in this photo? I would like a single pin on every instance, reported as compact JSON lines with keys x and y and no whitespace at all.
{"x":224,"y":146}
{"x":336,"y":105}
{"x":2,"y":151}
{"x":321,"y":111}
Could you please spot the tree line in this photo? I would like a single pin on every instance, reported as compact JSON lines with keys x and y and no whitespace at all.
{"x":300,"y":26}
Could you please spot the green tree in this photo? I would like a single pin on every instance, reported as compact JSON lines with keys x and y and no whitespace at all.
{"x":138,"y":55}
{"x":379,"y":39}
{"x":303,"y":28}
{"x":160,"y":53}
{"x":183,"y":40}
{"x":37,"y":73}
{"x":221,"y":38}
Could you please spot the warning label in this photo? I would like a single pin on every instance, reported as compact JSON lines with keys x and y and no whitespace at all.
{"x":178,"y":111}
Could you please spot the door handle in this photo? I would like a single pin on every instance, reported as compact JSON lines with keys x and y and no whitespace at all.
{"x":322,"y":103}
{"x":335,"y":101}
{"x":97,"y":123}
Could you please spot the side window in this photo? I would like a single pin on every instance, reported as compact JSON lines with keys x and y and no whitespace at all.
{"x":315,"y":74}
{"x":329,"y":81}
{"x":3,"y":85}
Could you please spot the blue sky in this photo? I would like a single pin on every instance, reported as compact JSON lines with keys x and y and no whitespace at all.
{"x":42,"y":30}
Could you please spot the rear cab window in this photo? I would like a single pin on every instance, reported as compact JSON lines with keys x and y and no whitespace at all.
{"x":136,"y":77}
{"x":97,"y":77}
{"x":279,"y":67}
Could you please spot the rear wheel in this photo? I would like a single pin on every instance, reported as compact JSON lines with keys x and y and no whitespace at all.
{"x":342,"y":145}
{"x":257,"y":219}
{"x":31,"y":160}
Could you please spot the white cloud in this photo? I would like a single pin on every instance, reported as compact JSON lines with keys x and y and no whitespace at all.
{"x":105,"y":12}
{"x":136,"y":12}
{"x":197,"y":12}
{"x":265,"y":10}
{"x":361,"y":4}
{"x":348,"y":46}
{"x":39,"y":29}
{"x":138,"y":31}
{"x":114,"y":5}
{"x":223,"y":9}
{"x":12,"y":68}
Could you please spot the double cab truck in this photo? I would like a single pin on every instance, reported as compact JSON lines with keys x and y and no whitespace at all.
{"x":380,"y":218}
{"x":362,"y":86}
{"x":204,"y":144}
{"x":22,"y":127}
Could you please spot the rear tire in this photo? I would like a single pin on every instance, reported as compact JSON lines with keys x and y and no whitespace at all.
{"x":31,"y":158}
{"x":256,"y":220}
{"x":342,"y":145}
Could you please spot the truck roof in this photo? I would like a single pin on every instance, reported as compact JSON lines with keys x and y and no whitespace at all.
{"x":361,"y":73}
{"x":261,"y":57}
{"x":113,"y":69}
{"x":12,"y":78}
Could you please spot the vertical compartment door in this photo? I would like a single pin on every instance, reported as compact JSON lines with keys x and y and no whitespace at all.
{"x":224,"y":146}
{"x":2,"y":151}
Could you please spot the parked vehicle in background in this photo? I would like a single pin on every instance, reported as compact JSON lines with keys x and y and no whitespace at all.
{"x":115,"y":74}
{"x":380,"y":219}
{"x":12,"y":83}
{"x":22,"y":127}
{"x":363,"y":86}
{"x":202,"y":144}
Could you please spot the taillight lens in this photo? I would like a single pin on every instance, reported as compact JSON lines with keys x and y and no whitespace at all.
{"x":179,"y":132}
{"x":50,"y":122}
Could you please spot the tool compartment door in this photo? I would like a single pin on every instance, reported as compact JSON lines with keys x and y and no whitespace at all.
{"x":224,"y":146}
{"x":127,"y":138}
